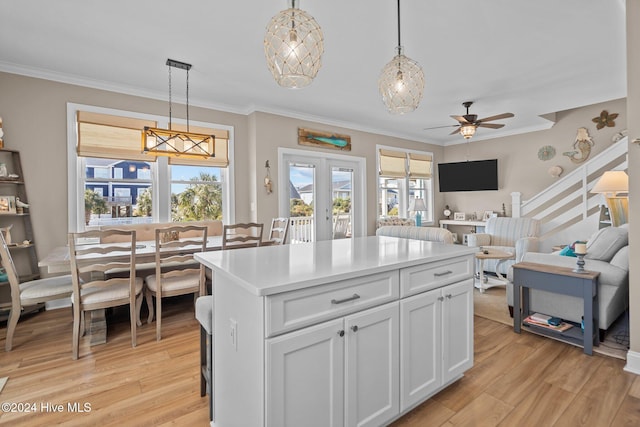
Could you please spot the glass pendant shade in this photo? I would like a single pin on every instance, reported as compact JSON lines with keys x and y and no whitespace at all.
{"x":467,"y":131}
{"x":293,"y":47}
{"x":401,"y":84}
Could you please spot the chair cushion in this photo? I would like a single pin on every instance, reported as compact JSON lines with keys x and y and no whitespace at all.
{"x":110,"y":293}
{"x":204,"y":312}
{"x":175,"y":283}
{"x":48,"y":287}
{"x":604,"y":244}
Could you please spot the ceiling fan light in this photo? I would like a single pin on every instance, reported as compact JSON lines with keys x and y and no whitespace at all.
{"x":467,"y":131}
{"x":293,"y":47}
{"x":401,"y":84}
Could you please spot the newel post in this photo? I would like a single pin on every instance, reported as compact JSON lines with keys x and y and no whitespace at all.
{"x":516,"y":204}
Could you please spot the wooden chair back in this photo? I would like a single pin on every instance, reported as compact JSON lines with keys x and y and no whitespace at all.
{"x":341,"y":227}
{"x":171,"y":262}
{"x":242,"y":235}
{"x":279,"y":231}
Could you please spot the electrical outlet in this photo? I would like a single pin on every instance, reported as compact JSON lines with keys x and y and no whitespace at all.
{"x":234,"y":333}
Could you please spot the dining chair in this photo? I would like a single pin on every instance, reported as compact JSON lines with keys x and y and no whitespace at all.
{"x":242,"y":235}
{"x":279,"y":230}
{"x":98,"y":292}
{"x":30,"y":292}
{"x":176,"y":273}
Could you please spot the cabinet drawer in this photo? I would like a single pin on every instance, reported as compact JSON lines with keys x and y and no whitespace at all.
{"x":414,"y":280}
{"x":292,"y":310}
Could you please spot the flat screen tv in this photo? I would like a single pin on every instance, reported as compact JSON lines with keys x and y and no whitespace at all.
{"x":478,"y":175}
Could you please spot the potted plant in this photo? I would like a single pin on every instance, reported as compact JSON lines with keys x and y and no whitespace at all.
{"x":93,"y":202}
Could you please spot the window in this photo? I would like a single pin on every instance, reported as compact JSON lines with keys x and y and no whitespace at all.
{"x":404,"y":175}
{"x":104,"y":157}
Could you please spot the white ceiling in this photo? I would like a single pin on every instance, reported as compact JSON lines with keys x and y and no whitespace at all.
{"x":526,"y":57}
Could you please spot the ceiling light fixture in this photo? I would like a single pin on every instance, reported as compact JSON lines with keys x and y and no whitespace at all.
{"x":401,"y":81}
{"x":467,"y":130}
{"x":293,"y":47}
{"x":167,"y":142}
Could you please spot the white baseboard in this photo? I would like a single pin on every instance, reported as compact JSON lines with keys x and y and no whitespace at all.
{"x":633,"y":362}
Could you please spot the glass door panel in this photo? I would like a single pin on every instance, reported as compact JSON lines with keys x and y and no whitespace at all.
{"x":341,"y":189}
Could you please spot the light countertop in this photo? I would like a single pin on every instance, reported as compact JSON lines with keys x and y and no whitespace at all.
{"x":275,"y":269}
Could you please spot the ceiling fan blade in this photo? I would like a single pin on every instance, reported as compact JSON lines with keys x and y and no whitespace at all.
{"x":498,"y":117}
{"x":455,"y":131}
{"x":460,"y":119}
{"x":440,"y":127}
{"x":491,"y":125}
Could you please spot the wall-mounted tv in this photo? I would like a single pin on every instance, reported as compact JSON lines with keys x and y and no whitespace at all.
{"x":478,"y":175}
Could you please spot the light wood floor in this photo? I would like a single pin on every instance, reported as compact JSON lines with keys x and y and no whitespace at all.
{"x":517,"y":380}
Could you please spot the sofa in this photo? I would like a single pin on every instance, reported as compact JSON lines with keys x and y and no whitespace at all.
{"x":433,"y":234}
{"x":607,"y":253}
{"x":394,"y":220}
{"x":513,"y":235}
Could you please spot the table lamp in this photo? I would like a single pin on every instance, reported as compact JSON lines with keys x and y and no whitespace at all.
{"x":417,"y":205}
{"x":610,"y":184}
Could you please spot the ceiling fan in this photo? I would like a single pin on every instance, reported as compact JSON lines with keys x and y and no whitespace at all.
{"x":468,"y":123}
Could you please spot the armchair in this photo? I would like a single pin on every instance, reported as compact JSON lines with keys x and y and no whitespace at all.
{"x":514,"y":235}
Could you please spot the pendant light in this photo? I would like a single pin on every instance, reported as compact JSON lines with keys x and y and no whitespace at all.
{"x":401,"y":81}
{"x":293,"y":47}
{"x":171,"y":143}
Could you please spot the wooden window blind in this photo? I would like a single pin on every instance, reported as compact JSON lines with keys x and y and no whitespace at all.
{"x":420,"y":165}
{"x":393,"y":164}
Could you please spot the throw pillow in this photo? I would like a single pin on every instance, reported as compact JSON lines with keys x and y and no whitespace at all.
{"x":567,"y":251}
{"x":604,"y":244}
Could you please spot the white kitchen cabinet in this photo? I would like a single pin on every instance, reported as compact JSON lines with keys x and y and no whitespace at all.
{"x":311,"y":334}
{"x":436,"y":342}
{"x":341,"y":372}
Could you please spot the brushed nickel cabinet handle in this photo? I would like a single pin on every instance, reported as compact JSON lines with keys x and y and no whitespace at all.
{"x":443,"y":273}
{"x":340,"y":301}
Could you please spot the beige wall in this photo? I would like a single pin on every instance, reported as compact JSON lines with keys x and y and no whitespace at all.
{"x":633,"y":110}
{"x":519,"y":168}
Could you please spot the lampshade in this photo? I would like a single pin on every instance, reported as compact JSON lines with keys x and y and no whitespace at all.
{"x":401,"y":82}
{"x":417,"y":205}
{"x":612,"y":182}
{"x":293,"y":47}
{"x":467,"y":131}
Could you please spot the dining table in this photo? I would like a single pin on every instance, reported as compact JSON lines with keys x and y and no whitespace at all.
{"x":58,"y":262}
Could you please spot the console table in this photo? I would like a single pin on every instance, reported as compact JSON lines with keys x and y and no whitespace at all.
{"x":561,"y":280}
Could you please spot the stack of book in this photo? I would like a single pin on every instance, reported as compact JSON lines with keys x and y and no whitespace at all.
{"x":542,"y":320}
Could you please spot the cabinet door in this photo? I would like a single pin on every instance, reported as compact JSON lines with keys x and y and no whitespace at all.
{"x":457,"y":329}
{"x":420,"y":348}
{"x":305,"y":377}
{"x":372,"y":366}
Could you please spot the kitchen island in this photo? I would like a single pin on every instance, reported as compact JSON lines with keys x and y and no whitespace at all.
{"x":333,"y":333}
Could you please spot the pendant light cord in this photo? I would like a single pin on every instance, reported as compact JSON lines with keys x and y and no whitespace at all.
{"x":399,"y":23}
{"x":187,"y":100}
{"x":169,"y":97}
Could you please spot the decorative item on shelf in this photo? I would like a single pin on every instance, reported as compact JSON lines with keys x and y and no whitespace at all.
{"x":546,"y":153}
{"x":447,"y":212}
{"x":1,"y":135}
{"x":504,"y":210}
{"x":486,"y":215}
{"x":580,"y":250}
{"x":7,"y":234}
{"x":555,"y":171}
{"x":267,"y":178}
{"x":417,"y":205}
{"x":173,"y":143}
{"x":293,"y":47}
{"x":21,"y":206}
{"x":459,"y":216}
{"x":582,"y":147}
{"x":7,"y":204}
{"x":401,"y":82}
{"x":610,"y":184}
{"x":605,"y":119}
{"x":3,"y":170}
{"x":324,"y":139}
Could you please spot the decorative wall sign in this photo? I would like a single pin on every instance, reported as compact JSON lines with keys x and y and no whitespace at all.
{"x":546,"y":153}
{"x":324,"y":139}
{"x":605,"y":119}
{"x":581,"y":147}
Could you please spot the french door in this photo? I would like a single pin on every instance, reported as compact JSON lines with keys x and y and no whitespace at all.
{"x":324,"y":195}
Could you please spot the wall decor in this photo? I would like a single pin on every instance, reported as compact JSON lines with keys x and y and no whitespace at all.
{"x":605,"y":119}
{"x":546,"y":153}
{"x":486,"y":215}
{"x":619,"y":135}
{"x":7,"y":204}
{"x":324,"y":139}
{"x":581,"y":147}
{"x":459,"y":216}
{"x":555,"y":171}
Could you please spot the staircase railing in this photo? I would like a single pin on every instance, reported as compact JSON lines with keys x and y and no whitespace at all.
{"x":568,"y":200}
